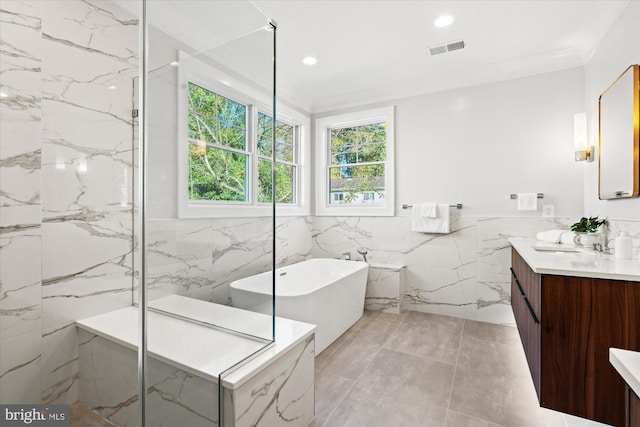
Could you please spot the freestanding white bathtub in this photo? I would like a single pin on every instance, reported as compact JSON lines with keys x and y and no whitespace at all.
{"x":326,"y":292}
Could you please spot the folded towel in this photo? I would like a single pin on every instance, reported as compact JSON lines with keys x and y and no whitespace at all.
{"x":557,"y":236}
{"x":440,"y":224}
{"x":527,"y":201}
{"x":428,"y":210}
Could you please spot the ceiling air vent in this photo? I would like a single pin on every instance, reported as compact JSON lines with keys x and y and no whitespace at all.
{"x":449,"y":47}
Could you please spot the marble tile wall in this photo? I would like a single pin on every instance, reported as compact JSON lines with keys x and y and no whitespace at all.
{"x":281,"y":394}
{"x":199,"y":258}
{"x":385,"y":288}
{"x":463,"y":274}
{"x":65,"y":185}
{"x":108,"y":385}
{"x":20,"y":201}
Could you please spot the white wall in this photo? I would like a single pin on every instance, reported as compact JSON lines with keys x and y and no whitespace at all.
{"x":473,"y":146}
{"x":618,"y":49}
{"x":478,"y":145}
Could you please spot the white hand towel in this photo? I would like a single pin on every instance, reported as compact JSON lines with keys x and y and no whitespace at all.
{"x":527,"y":201}
{"x":440,"y":224}
{"x":428,"y":210}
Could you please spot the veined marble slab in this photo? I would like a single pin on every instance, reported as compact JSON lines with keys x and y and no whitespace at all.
{"x":586,"y":263}
{"x":186,"y":362}
{"x":195,"y":348}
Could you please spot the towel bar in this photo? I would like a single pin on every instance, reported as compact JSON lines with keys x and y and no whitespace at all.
{"x":515,"y":196}
{"x":457,"y":206}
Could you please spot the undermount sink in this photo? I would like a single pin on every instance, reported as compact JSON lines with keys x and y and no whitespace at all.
{"x":549,"y":248}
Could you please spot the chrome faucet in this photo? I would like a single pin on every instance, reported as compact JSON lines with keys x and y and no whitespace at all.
{"x":363,"y":252}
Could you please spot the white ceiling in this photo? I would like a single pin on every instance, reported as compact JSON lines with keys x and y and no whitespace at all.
{"x":374,"y":51}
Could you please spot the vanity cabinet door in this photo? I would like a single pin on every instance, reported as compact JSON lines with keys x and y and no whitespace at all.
{"x":525,"y":303}
{"x":581,"y":319}
{"x":633,"y":409}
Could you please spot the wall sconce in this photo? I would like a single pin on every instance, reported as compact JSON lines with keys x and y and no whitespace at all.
{"x":582,"y":151}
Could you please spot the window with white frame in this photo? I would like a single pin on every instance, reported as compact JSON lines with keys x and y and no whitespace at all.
{"x":226,"y":153}
{"x":219,"y":152}
{"x":286,"y":164}
{"x":355,"y":174}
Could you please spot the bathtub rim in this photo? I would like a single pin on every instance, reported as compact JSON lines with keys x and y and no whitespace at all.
{"x":361,"y":265}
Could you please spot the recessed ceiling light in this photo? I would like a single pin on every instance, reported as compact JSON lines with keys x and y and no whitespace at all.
{"x":443,"y":21}
{"x":309,"y":60}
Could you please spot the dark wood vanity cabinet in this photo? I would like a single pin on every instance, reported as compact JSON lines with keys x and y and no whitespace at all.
{"x":567,"y":325}
{"x":633,"y":409}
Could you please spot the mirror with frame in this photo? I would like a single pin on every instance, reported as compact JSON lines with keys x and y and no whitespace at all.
{"x":619,"y":138}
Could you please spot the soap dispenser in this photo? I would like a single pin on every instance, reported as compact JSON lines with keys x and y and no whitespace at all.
{"x":623,"y":246}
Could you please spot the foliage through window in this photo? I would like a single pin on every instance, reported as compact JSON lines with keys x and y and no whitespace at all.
{"x":218,"y":155}
{"x":357,"y":164}
{"x":221,"y":154}
{"x":286,"y":168}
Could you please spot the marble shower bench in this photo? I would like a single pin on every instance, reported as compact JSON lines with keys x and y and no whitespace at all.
{"x":386,"y":284}
{"x":190,"y":364}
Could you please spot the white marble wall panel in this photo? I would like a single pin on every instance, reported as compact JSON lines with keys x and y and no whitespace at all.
{"x":20,"y":362}
{"x":280,"y":395}
{"x":59,"y":366}
{"x":86,"y":270}
{"x":631,"y":227}
{"x":89,"y":60}
{"x":293,"y":239}
{"x":384,"y":290}
{"x":334,"y":235}
{"x":108,"y":385}
{"x":464,"y":273}
{"x":20,"y":280}
{"x":20,"y":104}
{"x":201,"y":257}
{"x":65,"y":160}
{"x":20,"y":207}
{"x":108,"y":379}
{"x":176,"y":398}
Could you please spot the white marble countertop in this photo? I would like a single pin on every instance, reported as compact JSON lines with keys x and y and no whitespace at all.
{"x":627,"y":363}
{"x":195,"y":347}
{"x":569,"y":260}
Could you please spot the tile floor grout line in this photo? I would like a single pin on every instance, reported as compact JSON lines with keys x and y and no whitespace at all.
{"x":363,"y":371}
{"x":455,"y":370}
{"x":358,"y":378}
{"x":492,"y":424}
{"x":393,"y":332}
{"x":340,"y":401}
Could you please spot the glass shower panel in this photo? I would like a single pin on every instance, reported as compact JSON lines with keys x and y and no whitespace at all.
{"x":210,"y":70}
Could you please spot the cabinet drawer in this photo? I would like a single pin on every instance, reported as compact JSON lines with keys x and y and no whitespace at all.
{"x":528,"y":281}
